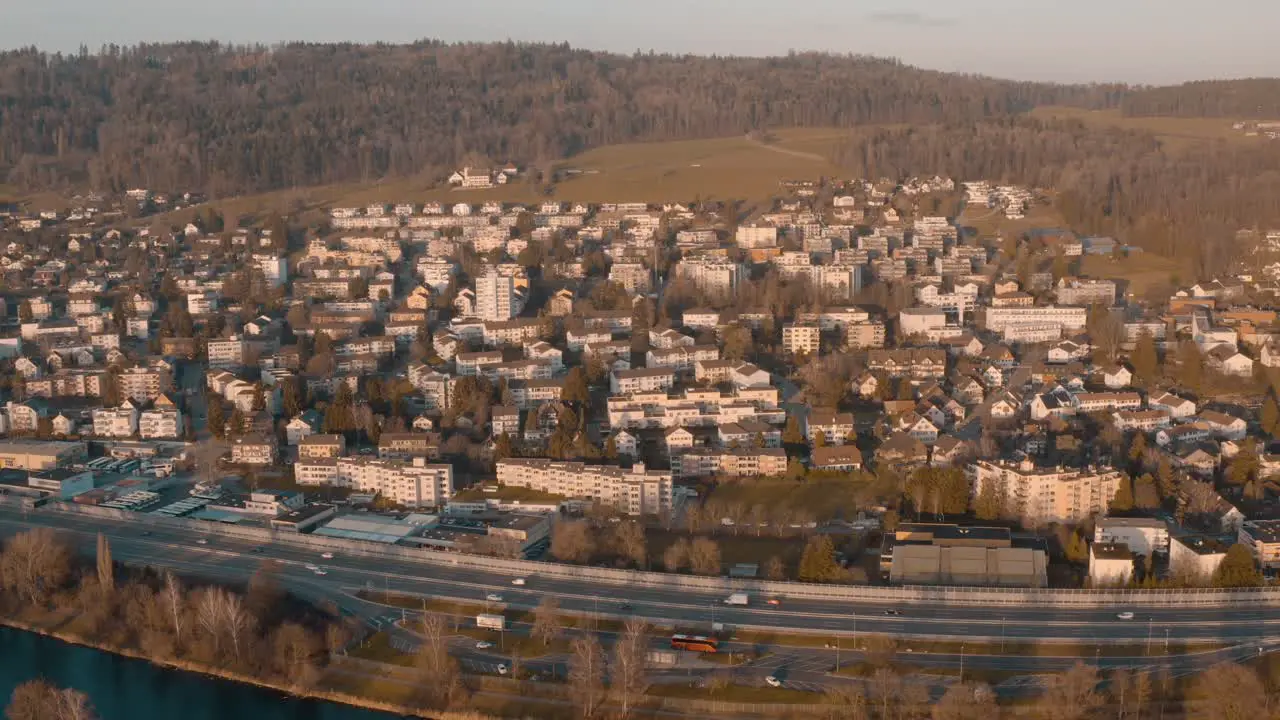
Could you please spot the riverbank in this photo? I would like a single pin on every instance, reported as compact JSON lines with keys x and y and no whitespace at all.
{"x":315,"y":694}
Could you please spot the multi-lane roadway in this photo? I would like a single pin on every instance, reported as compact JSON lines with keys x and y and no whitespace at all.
{"x":1245,"y":630}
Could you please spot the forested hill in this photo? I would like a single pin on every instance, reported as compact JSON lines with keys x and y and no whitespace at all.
{"x":236,"y":120}
{"x":1254,"y":98}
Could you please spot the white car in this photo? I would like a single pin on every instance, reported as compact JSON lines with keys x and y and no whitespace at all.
{"x":327,"y":556}
{"x":318,"y":571}
{"x":1126,"y":615}
{"x":493,"y":597}
{"x":773,"y":681}
{"x":484,"y":645}
{"x":312,"y":567}
{"x":202,"y":541}
{"x":502,"y":669}
{"x":518,"y":582}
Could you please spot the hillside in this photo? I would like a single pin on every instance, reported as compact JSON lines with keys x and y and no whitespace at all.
{"x":237,"y":120}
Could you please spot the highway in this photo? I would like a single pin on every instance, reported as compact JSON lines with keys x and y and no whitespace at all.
{"x":228,"y":559}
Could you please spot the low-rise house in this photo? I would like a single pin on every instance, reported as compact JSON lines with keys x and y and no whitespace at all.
{"x":1222,"y":425}
{"x":254,"y":450}
{"x":1110,"y":564}
{"x":834,"y":426}
{"x":315,"y":447}
{"x":1195,"y":557}
{"x":1175,"y":406}
{"x":838,"y":457}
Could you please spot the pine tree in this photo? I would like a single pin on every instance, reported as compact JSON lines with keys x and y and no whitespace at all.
{"x":106,"y":568}
{"x":1271,"y":416}
{"x":987,"y":504}
{"x":217,"y":419}
{"x":818,"y":562}
{"x":1237,"y":569}
{"x":611,"y":448}
{"x":1145,"y":360}
{"x":1123,"y":500}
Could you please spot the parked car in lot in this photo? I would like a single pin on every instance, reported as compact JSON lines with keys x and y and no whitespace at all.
{"x":773,"y":681}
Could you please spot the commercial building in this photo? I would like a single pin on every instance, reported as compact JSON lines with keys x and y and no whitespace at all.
{"x":1040,"y":495}
{"x":636,"y":491}
{"x":63,"y":483}
{"x":942,"y":554}
{"x":36,"y":455}
{"x":412,"y":484}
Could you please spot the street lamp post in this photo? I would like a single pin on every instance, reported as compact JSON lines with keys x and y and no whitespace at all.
{"x":1002,"y":633}
{"x":961,"y":662}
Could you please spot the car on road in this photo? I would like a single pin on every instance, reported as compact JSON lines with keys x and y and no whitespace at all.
{"x":891,"y":611}
{"x":493,"y":597}
{"x":773,"y":681}
{"x":502,"y":669}
{"x":327,"y":556}
{"x":484,"y":645}
{"x":202,"y":541}
{"x":1126,"y":615}
{"x":256,"y":550}
{"x":626,"y":607}
{"x":518,"y":582}
{"x":312,"y":567}
{"x":146,"y":533}
{"x":321,"y":571}
{"x":774,"y":602}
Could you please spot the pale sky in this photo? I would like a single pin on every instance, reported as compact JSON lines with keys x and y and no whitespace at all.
{"x":1145,"y":41}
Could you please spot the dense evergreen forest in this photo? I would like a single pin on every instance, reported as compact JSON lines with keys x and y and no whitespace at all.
{"x":230,"y":120}
{"x":1254,"y":98}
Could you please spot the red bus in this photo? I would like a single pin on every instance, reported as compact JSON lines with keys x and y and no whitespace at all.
{"x":694,"y":643}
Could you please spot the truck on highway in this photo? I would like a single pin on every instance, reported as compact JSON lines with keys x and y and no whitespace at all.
{"x":491,"y":621}
{"x":738,"y":598}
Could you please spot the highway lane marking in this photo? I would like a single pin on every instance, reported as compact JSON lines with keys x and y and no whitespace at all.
{"x":829,"y":621}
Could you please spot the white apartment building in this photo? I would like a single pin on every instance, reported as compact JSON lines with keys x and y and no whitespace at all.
{"x":711,"y":274}
{"x":1195,"y":556}
{"x":695,"y":408}
{"x":1144,"y":536}
{"x":919,"y":321}
{"x":636,"y":491}
{"x":413,"y":484}
{"x":202,"y":303}
{"x":756,"y":236}
{"x":743,"y":462}
{"x":1110,"y":565}
{"x":435,"y":272}
{"x":226,"y":352}
{"x":160,"y":423}
{"x":635,"y":277}
{"x":801,"y":338}
{"x":121,"y":422}
{"x":1031,"y":332}
{"x":1068,"y":318}
{"x":623,"y":382}
{"x":434,"y":386}
{"x":1040,"y":495}
{"x":1086,"y":292}
{"x":683,"y":358}
{"x":275,"y":269}
{"x":496,"y":297}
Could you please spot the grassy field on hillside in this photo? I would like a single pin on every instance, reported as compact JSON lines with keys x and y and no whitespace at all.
{"x":1173,"y":130}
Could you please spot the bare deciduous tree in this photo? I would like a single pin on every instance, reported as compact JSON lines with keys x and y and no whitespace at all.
{"x":546,"y":620}
{"x":34,"y":564}
{"x":1072,"y":695}
{"x":627,"y":678}
{"x":1228,"y":692}
{"x":38,"y":700}
{"x":586,"y":675}
{"x":704,"y":557}
{"x":966,"y":701}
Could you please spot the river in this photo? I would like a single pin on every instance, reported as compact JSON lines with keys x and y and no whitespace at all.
{"x":128,"y":689}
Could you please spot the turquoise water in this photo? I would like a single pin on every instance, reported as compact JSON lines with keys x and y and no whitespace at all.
{"x":128,"y":689}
